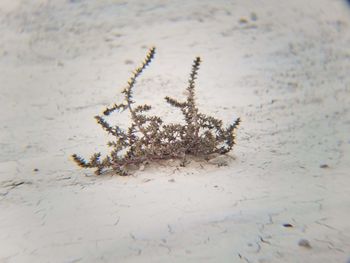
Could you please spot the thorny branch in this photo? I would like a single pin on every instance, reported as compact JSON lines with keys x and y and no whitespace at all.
{"x":148,"y":139}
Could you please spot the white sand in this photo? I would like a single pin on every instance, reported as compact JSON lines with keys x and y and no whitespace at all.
{"x":286,"y":73}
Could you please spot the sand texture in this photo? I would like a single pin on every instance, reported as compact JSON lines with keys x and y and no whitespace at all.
{"x":282,"y":194}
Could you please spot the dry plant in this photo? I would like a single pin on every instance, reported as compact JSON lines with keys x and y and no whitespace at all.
{"x":149,"y":139}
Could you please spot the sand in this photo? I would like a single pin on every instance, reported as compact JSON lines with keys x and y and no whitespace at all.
{"x":283,"y":67}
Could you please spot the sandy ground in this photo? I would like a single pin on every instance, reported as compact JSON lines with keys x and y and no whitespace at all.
{"x":283,"y":66}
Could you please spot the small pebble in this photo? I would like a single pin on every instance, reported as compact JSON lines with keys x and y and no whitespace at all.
{"x":243,"y":20}
{"x":219,"y":160}
{"x":253,"y":16}
{"x":128,"y":62}
{"x":304,"y":243}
